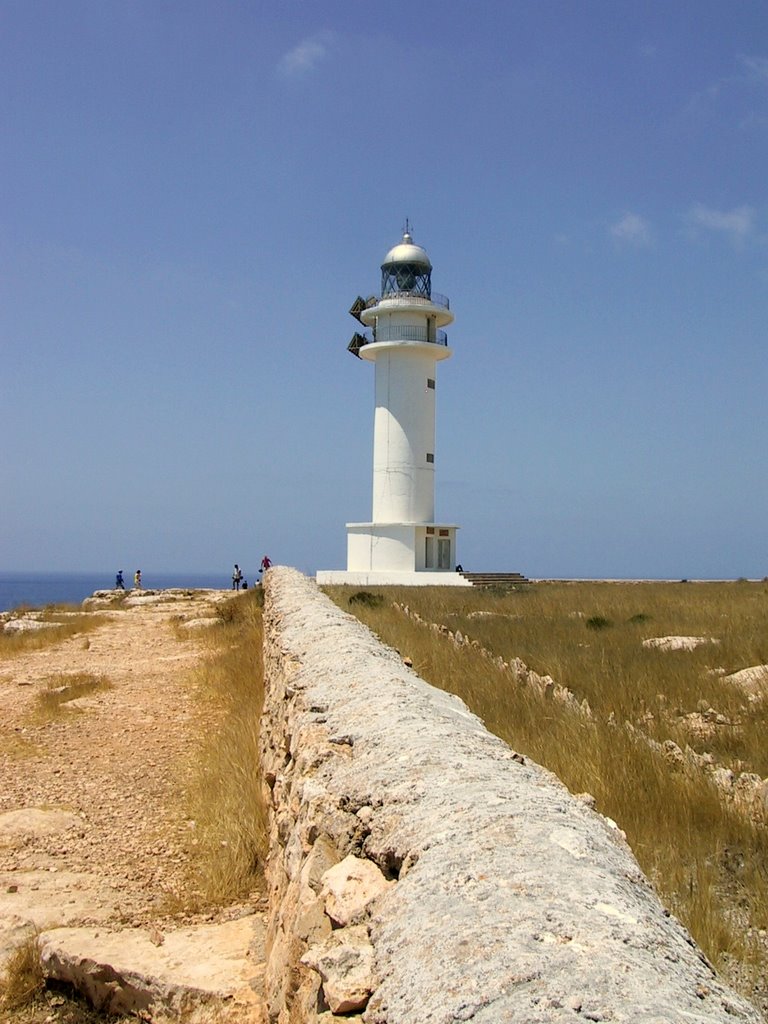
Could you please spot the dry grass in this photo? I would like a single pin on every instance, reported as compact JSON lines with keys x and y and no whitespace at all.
{"x":23,"y":979}
{"x":66,"y":621}
{"x":60,"y":690}
{"x":25,"y":998}
{"x":230,"y":833}
{"x":707,"y":857}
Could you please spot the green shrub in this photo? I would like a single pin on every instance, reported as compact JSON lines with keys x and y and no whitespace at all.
{"x":598,"y":622}
{"x":366,"y":598}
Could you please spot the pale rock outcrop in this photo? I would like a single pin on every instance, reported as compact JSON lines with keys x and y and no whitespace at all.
{"x":104,"y":600}
{"x":180,"y":972}
{"x":753,"y":680}
{"x":26,"y":625}
{"x":679,"y":643}
{"x":14,"y":932}
{"x":32,"y":901}
{"x":193,"y":624}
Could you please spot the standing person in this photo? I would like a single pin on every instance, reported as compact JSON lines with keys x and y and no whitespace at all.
{"x":119,"y":581}
{"x":266,"y":562}
{"x":237,"y":577}
{"x":137,"y":580}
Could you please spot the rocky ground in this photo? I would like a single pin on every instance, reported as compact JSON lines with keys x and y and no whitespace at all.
{"x":94,"y":843}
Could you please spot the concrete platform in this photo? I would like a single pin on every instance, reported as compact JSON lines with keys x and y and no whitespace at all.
{"x":340,"y":578}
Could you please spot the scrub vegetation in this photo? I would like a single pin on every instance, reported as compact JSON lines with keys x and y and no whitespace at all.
{"x":230,"y":834}
{"x":60,"y":623}
{"x":703,"y":844}
{"x":60,"y":690}
{"x":23,"y":978}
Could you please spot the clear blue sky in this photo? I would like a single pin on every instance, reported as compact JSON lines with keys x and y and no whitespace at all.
{"x":192,"y":194}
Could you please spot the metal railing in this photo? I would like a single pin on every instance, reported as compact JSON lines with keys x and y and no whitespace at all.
{"x":410,"y":297}
{"x":409,"y":332}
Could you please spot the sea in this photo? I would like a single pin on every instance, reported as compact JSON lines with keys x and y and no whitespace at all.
{"x":37,"y":589}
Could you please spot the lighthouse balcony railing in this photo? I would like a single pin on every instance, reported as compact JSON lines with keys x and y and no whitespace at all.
{"x":407,"y":332}
{"x":408,"y":298}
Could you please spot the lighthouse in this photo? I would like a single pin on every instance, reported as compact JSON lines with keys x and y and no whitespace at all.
{"x":402,"y":332}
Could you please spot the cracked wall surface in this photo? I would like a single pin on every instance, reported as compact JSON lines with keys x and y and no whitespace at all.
{"x":420,"y":870}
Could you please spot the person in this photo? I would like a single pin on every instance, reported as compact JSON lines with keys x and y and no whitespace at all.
{"x":137,"y":580}
{"x":237,"y":577}
{"x":119,"y":581}
{"x":245,"y":584}
{"x":265,"y":563}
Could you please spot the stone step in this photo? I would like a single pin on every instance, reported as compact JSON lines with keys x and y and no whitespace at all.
{"x":495,"y":579}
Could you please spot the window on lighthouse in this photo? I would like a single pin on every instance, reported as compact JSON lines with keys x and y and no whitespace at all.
{"x":410,"y":278}
{"x":430,"y":457}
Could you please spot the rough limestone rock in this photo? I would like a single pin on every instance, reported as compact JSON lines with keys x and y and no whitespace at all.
{"x":144,"y":598}
{"x":513,"y":902}
{"x":345,"y":963}
{"x":26,"y":625}
{"x":32,"y":901}
{"x":753,"y":680}
{"x":193,"y":624}
{"x":180,"y":972}
{"x":14,"y":932}
{"x":350,"y":887}
{"x":679,"y":643}
{"x":102,"y":600}
{"x":51,"y":899}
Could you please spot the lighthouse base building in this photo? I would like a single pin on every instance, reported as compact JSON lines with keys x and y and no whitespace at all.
{"x":417,"y":554}
{"x":406,"y":554}
{"x":402,"y":335}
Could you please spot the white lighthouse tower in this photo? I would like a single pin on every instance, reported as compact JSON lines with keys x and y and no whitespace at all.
{"x":402,"y":335}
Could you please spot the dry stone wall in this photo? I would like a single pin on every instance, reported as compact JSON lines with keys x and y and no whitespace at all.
{"x":422,"y":871}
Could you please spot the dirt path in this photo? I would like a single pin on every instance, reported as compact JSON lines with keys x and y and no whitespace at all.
{"x":92,"y":826}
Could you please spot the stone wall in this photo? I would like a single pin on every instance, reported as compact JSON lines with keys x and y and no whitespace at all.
{"x":422,"y":871}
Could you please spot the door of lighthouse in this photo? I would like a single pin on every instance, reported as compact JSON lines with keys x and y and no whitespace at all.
{"x":443,"y":553}
{"x":429,"y":553}
{"x":437,"y":552}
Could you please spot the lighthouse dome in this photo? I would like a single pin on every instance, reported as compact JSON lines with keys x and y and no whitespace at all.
{"x":407,"y":252}
{"x":406,"y":270}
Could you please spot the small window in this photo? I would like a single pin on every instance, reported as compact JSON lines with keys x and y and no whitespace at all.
{"x":430,"y":530}
{"x":444,"y":533}
{"x":430,"y":384}
{"x":430,"y":457}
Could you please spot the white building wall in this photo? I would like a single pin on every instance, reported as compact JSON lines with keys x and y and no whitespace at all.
{"x":380,"y":547}
{"x":404,"y":435}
